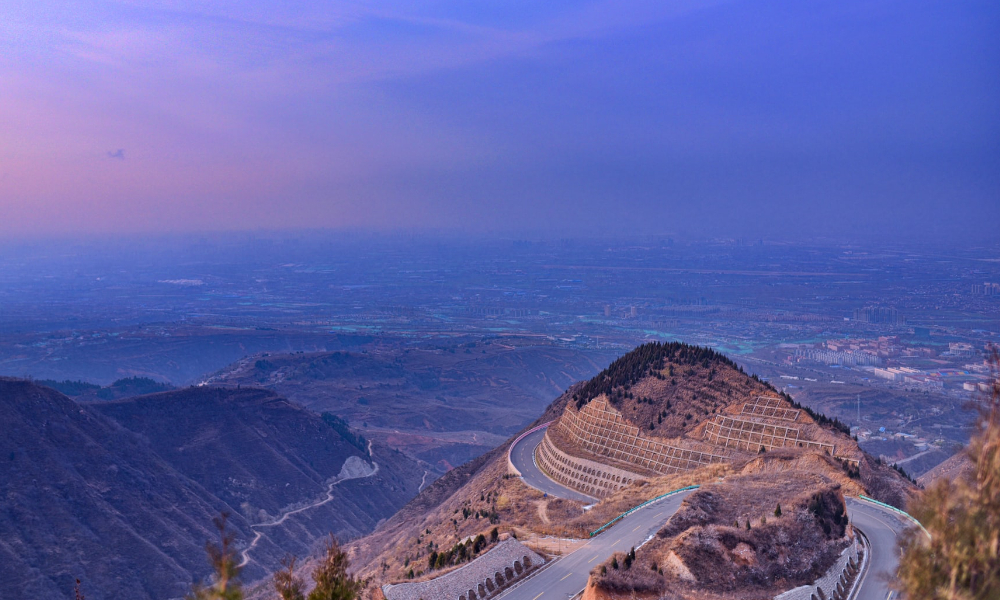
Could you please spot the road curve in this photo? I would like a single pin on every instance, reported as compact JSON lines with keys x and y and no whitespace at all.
{"x":883,"y":528}
{"x":522,"y":454}
{"x":568,"y":576}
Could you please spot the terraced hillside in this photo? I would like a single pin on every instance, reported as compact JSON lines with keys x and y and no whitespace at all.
{"x":639,"y":429}
{"x":667,"y":408}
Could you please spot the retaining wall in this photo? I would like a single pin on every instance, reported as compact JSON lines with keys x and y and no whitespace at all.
{"x":601,"y":429}
{"x":839,"y":576}
{"x":587,"y":476}
{"x":486,"y":577}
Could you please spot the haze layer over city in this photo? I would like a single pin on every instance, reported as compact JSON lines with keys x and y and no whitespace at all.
{"x":467,"y":301}
{"x":889,"y":338}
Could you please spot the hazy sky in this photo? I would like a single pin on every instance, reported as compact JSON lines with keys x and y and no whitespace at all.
{"x":779,"y":119}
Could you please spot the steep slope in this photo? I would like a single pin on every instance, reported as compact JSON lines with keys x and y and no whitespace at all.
{"x":667,"y":394}
{"x":265,"y":456}
{"x":85,"y":498}
{"x":122,"y":494}
{"x":669,"y":408}
{"x":436,"y":404}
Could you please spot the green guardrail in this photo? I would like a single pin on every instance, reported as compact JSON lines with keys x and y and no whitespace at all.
{"x":897,"y":511}
{"x":635,"y":508}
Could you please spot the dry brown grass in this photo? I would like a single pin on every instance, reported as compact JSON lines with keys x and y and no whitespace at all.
{"x":702,"y":540}
{"x":515,"y":509}
{"x":446,"y":513}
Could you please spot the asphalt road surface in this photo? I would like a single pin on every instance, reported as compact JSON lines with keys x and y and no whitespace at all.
{"x":523,"y":457}
{"x":883,"y":528}
{"x":568,"y":576}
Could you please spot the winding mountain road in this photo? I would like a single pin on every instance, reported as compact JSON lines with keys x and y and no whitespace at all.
{"x":522,"y":454}
{"x":568,"y":575}
{"x":882,"y":527}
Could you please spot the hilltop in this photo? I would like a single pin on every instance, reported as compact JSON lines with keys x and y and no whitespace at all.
{"x":668,"y":394}
{"x":120,"y":388}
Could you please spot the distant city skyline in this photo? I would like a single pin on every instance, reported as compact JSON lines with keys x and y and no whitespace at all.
{"x":775,"y":120}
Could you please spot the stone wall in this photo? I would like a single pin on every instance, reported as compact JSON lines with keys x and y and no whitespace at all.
{"x":587,"y":476}
{"x":601,"y":429}
{"x":835,"y":583}
{"x":751,"y":434}
{"x":487,"y":576}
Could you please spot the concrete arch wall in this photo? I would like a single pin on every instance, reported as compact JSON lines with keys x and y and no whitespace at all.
{"x":587,"y":476}
{"x":482,"y":579}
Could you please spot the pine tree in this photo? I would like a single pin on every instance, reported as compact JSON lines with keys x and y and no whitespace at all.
{"x":286,"y":583}
{"x":961,"y":560}
{"x":777,"y":511}
{"x":225,"y":570}
{"x":332,"y":580}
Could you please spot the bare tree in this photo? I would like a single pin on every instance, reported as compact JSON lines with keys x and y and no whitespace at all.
{"x":961,"y":559}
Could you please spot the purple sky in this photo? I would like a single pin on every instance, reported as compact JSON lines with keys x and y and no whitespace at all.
{"x":775,"y":119}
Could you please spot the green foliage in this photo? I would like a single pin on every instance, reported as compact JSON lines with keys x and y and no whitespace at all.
{"x":819,"y":417}
{"x":905,"y":475}
{"x":69,"y":388}
{"x":132,"y":386}
{"x":331,"y":577}
{"x":629,"y":559}
{"x":344,"y":430}
{"x":648,"y":359}
{"x":777,"y":511}
{"x":286,"y":583}
{"x":225,"y":583}
{"x":961,"y":560}
{"x":462,"y":552}
{"x":830,"y":513}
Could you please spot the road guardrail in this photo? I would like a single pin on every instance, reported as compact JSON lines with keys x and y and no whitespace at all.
{"x":635,"y":508}
{"x":902,"y":513}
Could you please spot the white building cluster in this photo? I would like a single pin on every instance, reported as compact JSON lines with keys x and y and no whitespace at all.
{"x":840,"y":357}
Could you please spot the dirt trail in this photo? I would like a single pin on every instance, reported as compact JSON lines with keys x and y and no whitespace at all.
{"x":543,"y":510}
{"x":284,"y":516}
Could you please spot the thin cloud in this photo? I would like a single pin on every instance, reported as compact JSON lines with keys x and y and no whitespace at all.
{"x":119,"y":154}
